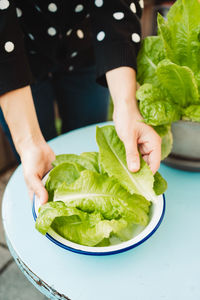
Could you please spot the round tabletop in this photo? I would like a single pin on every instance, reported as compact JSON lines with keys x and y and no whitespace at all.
{"x":167,"y":266}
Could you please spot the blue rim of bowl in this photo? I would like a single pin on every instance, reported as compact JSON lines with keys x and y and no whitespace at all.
{"x":104,"y":253}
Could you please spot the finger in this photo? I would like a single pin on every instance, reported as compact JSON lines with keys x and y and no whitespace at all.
{"x":38,"y":188}
{"x":146,"y":158}
{"x":132,"y":154}
{"x":154,"y":159}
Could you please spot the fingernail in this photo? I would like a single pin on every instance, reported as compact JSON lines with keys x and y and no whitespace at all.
{"x":133,"y":166}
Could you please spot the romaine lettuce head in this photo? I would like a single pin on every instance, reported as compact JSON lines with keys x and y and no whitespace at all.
{"x":171,"y":62}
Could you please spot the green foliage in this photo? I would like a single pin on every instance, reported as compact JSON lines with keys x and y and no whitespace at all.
{"x":192,"y":113}
{"x":169,"y":70}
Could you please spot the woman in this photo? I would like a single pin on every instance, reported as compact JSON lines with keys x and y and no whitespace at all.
{"x":48,"y":50}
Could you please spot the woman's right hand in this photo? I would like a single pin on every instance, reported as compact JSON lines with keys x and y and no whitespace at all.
{"x":35,"y":153}
{"x":36,"y":161}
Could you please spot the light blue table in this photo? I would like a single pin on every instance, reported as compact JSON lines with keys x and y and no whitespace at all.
{"x":167,"y":266}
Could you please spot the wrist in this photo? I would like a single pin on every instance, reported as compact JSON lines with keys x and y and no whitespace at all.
{"x":30,"y":141}
{"x":127,"y":107}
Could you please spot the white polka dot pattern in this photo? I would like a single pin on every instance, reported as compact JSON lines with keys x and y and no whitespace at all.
{"x":4,"y":4}
{"x":135,"y":38}
{"x":80,"y":34}
{"x":133,"y":8}
{"x":51,"y":31}
{"x":117,"y":24}
{"x":38,"y":8}
{"x":52,"y":7}
{"x":141,"y":3}
{"x":78,"y":8}
{"x":71,"y":68}
{"x":74,"y":54}
{"x":118,"y":15}
{"x":9,"y":46}
{"x":69,"y":32}
{"x":31,"y":36}
{"x":98,"y":3}
{"x":19,"y":12}
{"x":100,"y":36}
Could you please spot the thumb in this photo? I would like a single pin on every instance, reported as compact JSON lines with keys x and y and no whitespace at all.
{"x":132,"y":154}
{"x":38,"y":188}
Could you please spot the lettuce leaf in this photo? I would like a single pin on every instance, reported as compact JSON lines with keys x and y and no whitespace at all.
{"x":155,"y":107}
{"x":165,"y":133}
{"x":93,"y":157}
{"x":150,"y":54}
{"x":179,"y":82}
{"x":111,"y":149}
{"x":93,"y":192}
{"x":77,"y":226}
{"x":180,"y":33}
{"x":192,"y":113}
{"x":80,"y":231}
{"x":63,"y":173}
{"x":88,"y":160}
{"x":160,"y":184}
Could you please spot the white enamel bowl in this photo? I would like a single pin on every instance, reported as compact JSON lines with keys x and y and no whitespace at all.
{"x":141,"y":234}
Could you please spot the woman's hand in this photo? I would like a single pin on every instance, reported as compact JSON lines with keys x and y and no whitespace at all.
{"x":131,"y":129}
{"x":136,"y":135}
{"x":35,"y":154}
{"x":36,"y":161}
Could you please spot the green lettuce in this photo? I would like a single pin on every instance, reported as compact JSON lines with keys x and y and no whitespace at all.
{"x":96,"y":208}
{"x":63,"y":173}
{"x":155,"y":107}
{"x":76,"y":225}
{"x":88,"y":160}
{"x":180,"y":34}
{"x":160,"y":184}
{"x":111,"y":149}
{"x":179,"y":82}
{"x":192,"y":113}
{"x":165,"y":133}
{"x":151,"y":53}
{"x":94,"y":192}
{"x":169,"y":70}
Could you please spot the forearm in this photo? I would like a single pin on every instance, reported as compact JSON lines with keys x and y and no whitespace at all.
{"x":122,"y":86}
{"x":19,"y":112}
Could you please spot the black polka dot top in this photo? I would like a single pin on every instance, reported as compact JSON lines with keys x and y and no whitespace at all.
{"x":38,"y":37}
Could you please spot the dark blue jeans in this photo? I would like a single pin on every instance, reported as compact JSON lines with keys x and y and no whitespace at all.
{"x":81,"y":101}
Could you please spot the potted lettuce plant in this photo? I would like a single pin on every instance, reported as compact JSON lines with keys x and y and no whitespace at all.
{"x":169,"y":78}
